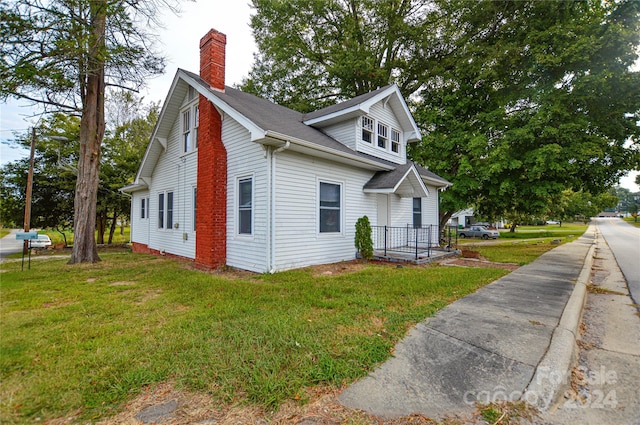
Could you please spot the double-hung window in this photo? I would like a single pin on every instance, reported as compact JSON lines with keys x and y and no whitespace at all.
{"x":417,"y":212}
{"x":383,"y":136}
{"x":196,"y":124}
{"x":245,"y":205}
{"x":143,"y":208}
{"x":330,"y":208}
{"x":186,"y":130}
{"x":161,"y":211}
{"x":395,"y":141}
{"x":367,"y":129}
{"x":169,"y":210}
{"x":165,"y":210}
{"x":190,"y":124}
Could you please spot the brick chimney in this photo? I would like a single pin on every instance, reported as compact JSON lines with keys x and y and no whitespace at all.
{"x":211,"y":209}
{"x":212,"y":58}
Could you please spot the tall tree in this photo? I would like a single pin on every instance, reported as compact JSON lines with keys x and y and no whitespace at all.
{"x":314,"y":53}
{"x":518,"y":101}
{"x":53,"y":178}
{"x":63,"y":54}
{"x":534,"y":98}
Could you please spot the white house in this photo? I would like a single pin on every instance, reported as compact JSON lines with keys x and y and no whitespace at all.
{"x":230,"y":178}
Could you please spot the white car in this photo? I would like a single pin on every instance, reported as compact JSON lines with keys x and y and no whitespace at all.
{"x":43,"y":241}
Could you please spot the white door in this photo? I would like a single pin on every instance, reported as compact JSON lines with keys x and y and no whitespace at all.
{"x":383,"y":210}
{"x":383,"y":220}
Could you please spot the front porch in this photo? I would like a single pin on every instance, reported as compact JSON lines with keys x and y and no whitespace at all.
{"x":417,"y":245}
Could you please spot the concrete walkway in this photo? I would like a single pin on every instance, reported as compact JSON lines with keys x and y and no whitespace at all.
{"x":512,"y":339}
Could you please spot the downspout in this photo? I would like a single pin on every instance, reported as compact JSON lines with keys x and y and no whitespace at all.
{"x":272,"y":221}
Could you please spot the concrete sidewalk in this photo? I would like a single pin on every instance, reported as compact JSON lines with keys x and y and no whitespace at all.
{"x":512,"y":339}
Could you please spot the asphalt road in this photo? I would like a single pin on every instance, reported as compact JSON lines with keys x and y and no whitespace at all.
{"x":624,"y":241}
{"x":9,"y":244}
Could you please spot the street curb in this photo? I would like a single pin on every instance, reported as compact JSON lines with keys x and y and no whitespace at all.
{"x":552,"y":375}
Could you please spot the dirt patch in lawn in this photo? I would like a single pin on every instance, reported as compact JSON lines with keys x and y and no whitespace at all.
{"x":317,"y":406}
{"x":478,"y":262}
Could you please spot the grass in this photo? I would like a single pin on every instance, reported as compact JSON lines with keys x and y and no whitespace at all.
{"x":56,"y":237}
{"x":633,"y":221}
{"x":547,"y":231}
{"x":87,"y":338}
{"x":519,"y":252}
{"x":4,"y":232}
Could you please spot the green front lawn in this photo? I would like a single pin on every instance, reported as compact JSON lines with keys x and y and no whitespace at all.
{"x":81,"y":340}
{"x":546,"y":231}
{"x":518,"y":252}
{"x":56,"y":237}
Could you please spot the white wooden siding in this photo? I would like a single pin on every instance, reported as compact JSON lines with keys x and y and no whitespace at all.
{"x":176,"y":172}
{"x":298,"y":241}
{"x":244,"y":159}
{"x":139,"y":226}
{"x":430,"y":207}
{"x":346,"y":132}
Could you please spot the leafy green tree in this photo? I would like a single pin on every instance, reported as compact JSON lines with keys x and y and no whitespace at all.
{"x":518,"y":101}
{"x":314,"y":53}
{"x":54,"y":177}
{"x":63,"y":55}
{"x":535,"y":97}
{"x":124,"y":145}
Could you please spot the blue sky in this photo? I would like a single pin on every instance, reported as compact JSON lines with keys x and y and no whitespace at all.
{"x":180,"y":41}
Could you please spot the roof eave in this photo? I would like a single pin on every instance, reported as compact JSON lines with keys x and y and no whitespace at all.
{"x":352,"y":158}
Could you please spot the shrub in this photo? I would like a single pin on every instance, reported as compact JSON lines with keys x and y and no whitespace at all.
{"x":364,"y":243}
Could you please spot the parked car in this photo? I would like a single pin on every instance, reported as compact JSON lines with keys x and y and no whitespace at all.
{"x":43,"y":241}
{"x":478,"y":232}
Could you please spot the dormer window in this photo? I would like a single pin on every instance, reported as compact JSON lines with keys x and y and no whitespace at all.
{"x":395,"y":141}
{"x":367,"y":129}
{"x":383,"y":136}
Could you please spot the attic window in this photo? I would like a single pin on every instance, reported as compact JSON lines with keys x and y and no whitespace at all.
{"x":192,"y":93}
{"x":367,"y":129}
{"x":186,"y":130}
{"x":383,"y":136}
{"x":395,"y":140}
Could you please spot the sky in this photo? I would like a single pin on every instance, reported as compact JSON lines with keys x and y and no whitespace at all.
{"x":180,"y":39}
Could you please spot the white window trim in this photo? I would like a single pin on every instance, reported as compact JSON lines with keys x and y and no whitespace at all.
{"x":375,"y":133}
{"x":370,"y":129}
{"x":392,"y":141}
{"x":342,"y":185}
{"x":236,"y":206}
{"x":194,"y":125}
{"x":165,"y":210}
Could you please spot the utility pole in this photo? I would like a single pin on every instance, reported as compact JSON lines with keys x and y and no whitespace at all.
{"x":27,"y":206}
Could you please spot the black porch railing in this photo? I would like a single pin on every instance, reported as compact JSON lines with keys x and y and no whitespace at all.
{"x":413,"y":240}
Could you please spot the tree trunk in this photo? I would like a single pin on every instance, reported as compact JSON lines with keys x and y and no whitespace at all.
{"x":92,"y":128}
{"x":112,"y":230}
{"x":101,"y":226}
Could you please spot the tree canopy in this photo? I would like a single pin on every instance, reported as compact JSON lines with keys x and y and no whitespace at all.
{"x":518,"y":101}
{"x":63,"y":54}
{"x":55,"y":170}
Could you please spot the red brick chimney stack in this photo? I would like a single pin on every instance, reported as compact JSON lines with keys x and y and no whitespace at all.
{"x":211,"y":209}
{"x":212,"y":58}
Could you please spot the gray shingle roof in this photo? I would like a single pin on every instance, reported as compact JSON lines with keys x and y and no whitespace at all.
{"x":389,"y":179}
{"x":344,"y":105}
{"x":270,"y":116}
